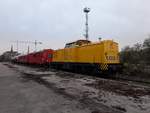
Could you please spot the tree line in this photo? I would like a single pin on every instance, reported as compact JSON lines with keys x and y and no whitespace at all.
{"x":137,"y":57}
{"x":138,"y":54}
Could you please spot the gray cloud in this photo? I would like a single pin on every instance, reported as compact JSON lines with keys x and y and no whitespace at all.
{"x":55,"y":22}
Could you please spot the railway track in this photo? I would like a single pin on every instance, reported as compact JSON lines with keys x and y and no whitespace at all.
{"x":133,"y":79}
{"x":117,"y":77}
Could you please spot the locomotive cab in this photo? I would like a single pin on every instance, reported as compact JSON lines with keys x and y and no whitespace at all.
{"x":77,"y":43}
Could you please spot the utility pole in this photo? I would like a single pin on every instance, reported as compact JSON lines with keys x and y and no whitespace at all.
{"x":36,"y":44}
{"x":28,"y":50}
{"x":86,"y":11}
{"x":27,"y":42}
{"x":12,"y":49}
{"x":17,"y":45}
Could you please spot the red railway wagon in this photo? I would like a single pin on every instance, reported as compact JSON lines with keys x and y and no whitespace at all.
{"x":36,"y":58}
{"x":41,"y":57}
{"x":21,"y":59}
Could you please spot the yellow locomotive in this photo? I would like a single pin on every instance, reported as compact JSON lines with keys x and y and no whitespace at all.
{"x":83,"y":55}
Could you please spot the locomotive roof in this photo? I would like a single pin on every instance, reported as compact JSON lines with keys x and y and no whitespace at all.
{"x":77,"y":43}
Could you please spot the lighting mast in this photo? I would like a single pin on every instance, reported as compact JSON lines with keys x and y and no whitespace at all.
{"x":86,"y":11}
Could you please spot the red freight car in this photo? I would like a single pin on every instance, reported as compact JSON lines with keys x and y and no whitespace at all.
{"x":21,"y":59}
{"x":41,"y":57}
{"x":36,"y":58}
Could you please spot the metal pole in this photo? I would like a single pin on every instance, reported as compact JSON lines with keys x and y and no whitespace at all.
{"x":87,"y":28}
{"x":28,"y":50}
{"x":17,"y":46}
{"x":86,"y":11}
{"x":35,"y":45}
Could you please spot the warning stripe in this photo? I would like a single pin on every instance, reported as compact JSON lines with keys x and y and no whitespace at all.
{"x":104,"y":67}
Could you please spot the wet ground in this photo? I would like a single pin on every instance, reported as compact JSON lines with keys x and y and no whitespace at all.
{"x":34,"y":90}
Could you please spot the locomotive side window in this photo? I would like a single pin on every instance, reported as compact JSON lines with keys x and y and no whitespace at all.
{"x":50,"y":55}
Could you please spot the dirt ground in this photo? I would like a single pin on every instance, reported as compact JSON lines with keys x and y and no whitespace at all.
{"x":82,"y":93}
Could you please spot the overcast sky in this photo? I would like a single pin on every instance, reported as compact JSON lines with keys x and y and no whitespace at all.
{"x":55,"y":22}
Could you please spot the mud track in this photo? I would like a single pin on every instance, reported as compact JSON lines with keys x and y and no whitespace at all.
{"x":84,"y":100}
{"x":121,"y":89}
{"x":98,"y":94}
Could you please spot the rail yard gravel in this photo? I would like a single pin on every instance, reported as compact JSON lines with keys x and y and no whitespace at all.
{"x":72,"y":93}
